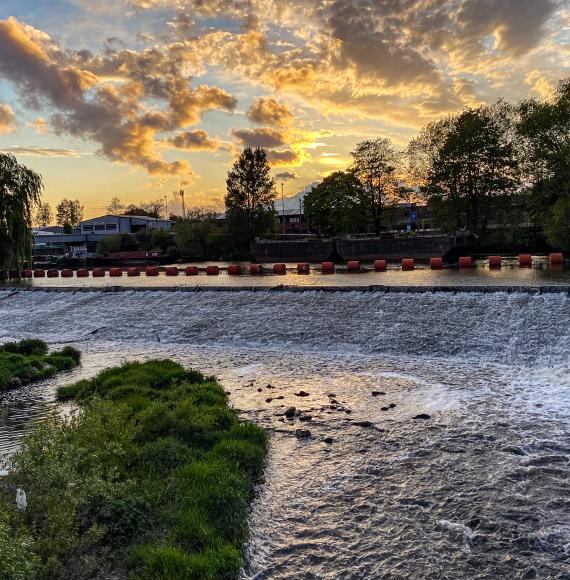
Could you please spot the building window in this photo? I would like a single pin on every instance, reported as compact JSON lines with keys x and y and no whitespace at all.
{"x":99,"y":227}
{"x":87,"y":228}
{"x":110,"y":226}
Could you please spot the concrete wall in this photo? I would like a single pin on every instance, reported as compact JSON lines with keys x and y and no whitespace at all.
{"x":312,"y":250}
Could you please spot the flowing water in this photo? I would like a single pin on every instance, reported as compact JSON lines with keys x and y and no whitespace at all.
{"x":480,"y":489}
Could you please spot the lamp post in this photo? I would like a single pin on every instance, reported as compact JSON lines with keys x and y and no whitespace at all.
{"x":282,"y":210}
{"x":183,"y":206}
{"x":165,"y":207}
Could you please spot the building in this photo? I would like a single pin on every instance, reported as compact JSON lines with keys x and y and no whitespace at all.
{"x":292,"y":221}
{"x":122,"y":224}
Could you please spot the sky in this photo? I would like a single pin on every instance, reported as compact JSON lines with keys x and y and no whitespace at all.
{"x":141,"y":98}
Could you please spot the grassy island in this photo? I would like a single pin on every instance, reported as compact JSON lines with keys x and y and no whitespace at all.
{"x":152,"y":478}
{"x":28,"y":361}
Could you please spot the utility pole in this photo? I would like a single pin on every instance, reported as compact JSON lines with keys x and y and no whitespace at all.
{"x":282,"y":209}
{"x":165,"y":207}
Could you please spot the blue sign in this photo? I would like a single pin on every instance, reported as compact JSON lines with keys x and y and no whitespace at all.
{"x":414,"y":216}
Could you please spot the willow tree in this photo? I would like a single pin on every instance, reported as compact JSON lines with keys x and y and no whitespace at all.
{"x":20,"y":190}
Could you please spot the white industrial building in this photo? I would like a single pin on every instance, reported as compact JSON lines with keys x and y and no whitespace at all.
{"x":122,"y":224}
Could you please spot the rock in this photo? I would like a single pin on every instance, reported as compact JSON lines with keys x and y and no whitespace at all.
{"x":268,"y":400}
{"x":422,"y":416}
{"x":363,"y":424}
{"x":378,"y":393}
{"x":303,"y":434}
{"x":347,"y":411}
{"x":302,"y":394}
{"x":279,"y":398}
{"x":334,"y":402}
{"x":392,"y":405}
{"x":15,"y":383}
{"x":290,"y":412}
{"x":384,"y":408}
{"x":269,"y":386}
{"x":331,"y":395}
{"x":328,"y":440}
{"x":259,"y":390}
{"x":305,"y":418}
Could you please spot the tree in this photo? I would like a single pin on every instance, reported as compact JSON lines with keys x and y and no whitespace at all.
{"x":69,"y":214}
{"x":469,"y":162}
{"x":44,"y":215}
{"x":20,"y":190}
{"x":557,"y":229}
{"x":250,"y":197}
{"x":115,"y":206}
{"x":336,"y":204}
{"x":151,"y":208}
{"x":375,"y":164}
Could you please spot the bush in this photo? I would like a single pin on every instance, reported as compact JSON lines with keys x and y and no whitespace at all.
{"x":27,"y":347}
{"x":152,"y":479}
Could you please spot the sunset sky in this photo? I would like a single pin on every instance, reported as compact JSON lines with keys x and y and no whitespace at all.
{"x":137,"y":98}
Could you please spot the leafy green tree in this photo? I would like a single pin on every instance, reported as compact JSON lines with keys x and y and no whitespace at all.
{"x":69,"y":214}
{"x":20,"y":190}
{"x":250,"y":197}
{"x":375,"y":164}
{"x":557,"y":229}
{"x":336,"y":204}
{"x":465,"y":163}
{"x":43,"y":215}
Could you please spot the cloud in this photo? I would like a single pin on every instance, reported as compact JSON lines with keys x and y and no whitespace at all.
{"x":40,"y":125}
{"x":7,"y":119}
{"x":264,"y":137}
{"x":267,"y":111}
{"x":197,"y":140}
{"x":285,"y":158}
{"x":41,"y":152}
{"x":286,"y":175}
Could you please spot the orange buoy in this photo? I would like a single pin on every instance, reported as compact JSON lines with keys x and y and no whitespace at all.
{"x":465,"y":262}
{"x":133,"y":271}
{"x":353,"y":266}
{"x":212,"y":270}
{"x":67,"y":273}
{"x":98,"y":272}
{"x":327,"y":268}
{"x":525,"y":261}
{"x":255,"y":269}
{"x":171,"y":271}
{"x":408,"y":264}
{"x":234,"y":269}
{"x":27,"y":273}
{"x":436,"y":263}
{"x":556,"y":259}
{"x":279,"y":269}
{"x":115,"y":272}
{"x":495,"y":261}
{"x":191,"y":270}
{"x":39,"y":273}
{"x":303,"y":268}
{"x":83,"y":273}
{"x":152,"y":270}
{"x":53,"y":273}
{"x":380,"y":265}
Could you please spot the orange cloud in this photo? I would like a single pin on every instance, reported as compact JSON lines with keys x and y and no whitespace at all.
{"x":7,"y":119}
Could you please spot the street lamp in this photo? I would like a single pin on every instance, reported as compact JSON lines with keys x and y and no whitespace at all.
{"x":282,"y":209}
{"x":165,"y":207}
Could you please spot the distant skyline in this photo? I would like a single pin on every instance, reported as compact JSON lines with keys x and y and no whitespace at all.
{"x":139,"y":98}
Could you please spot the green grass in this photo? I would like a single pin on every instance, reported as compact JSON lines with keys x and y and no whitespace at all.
{"x":152,"y":479}
{"x":28,"y":361}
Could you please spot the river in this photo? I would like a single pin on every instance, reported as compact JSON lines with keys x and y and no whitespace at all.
{"x":480,"y":489}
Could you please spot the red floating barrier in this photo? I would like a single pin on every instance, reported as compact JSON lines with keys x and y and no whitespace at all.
{"x":234,"y":269}
{"x":14,"y":274}
{"x":255,"y":269}
{"x":525,"y":261}
{"x":115,"y":272}
{"x":279,"y":269}
{"x":171,"y":271}
{"x":436,"y":263}
{"x":27,"y":273}
{"x":53,"y":273}
{"x":133,"y":271}
{"x":353,"y":266}
{"x":327,"y":268}
{"x":495,"y":261}
{"x":465,"y":262}
{"x":83,"y":273}
{"x":152,"y":271}
{"x":191,"y":270}
{"x":303,"y":268}
{"x":67,"y":273}
{"x":408,"y":264}
{"x":212,"y":270}
{"x":98,"y":272}
{"x":380,"y":265}
{"x":39,"y":273}
{"x":556,"y":259}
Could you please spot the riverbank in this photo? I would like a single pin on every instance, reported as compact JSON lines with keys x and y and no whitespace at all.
{"x":153,"y":479}
{"x":28,"y":361}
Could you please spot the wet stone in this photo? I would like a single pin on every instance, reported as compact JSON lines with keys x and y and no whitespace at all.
{"x":363,"y":424}
{"x":303,"y":434}
{"x":328,"y":440}
{"x":302,"y":394}
{"x":424,"y":416}
{"x":378,"y":393}
{"x":290,"y":412}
